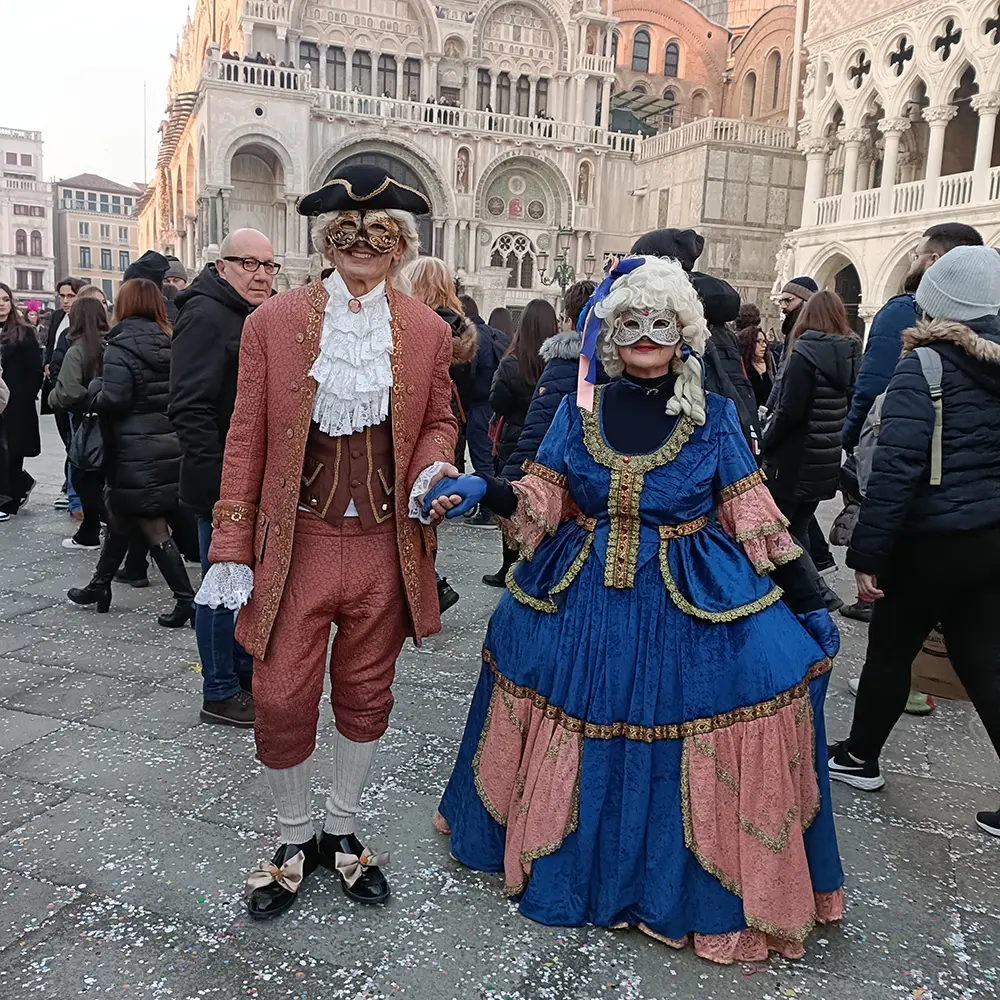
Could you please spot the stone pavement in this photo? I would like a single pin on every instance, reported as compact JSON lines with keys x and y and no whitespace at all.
{"x":126,"y":829}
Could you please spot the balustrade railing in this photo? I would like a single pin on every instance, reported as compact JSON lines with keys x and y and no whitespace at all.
{"x":828,"y":210}
{"x":264,"y":10}
{"x":908,"y":197}
{"x":413,"y":112}
{"x":18,"y":184}
{"x":711,"y":129}
{"x":588,"y":62}
{"x":257,"y":74}
{"x":866,"y":203}
{"x":955,"y":190}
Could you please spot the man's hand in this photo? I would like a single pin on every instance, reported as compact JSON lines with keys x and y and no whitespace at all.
{"x":445,"y":472}
{"x":442,"y":505}
{"x":868,"y":586}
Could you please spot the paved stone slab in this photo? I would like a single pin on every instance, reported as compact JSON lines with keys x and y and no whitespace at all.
{"x":19,"y":729}
{"x":27,"y":904}
{"x":126,"y":767}
{"x":23,"y":799}
{"x":17,"y":677}
{"x":96,"y":654}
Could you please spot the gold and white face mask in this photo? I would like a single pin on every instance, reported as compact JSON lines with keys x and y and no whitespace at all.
{"x":376,"y":228}
{"x":632,"y":325}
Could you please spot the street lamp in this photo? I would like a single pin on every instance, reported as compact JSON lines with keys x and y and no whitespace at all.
{"x":564,"y":273}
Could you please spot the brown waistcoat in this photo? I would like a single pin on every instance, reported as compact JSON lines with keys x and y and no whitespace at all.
{"x":356,"y":467}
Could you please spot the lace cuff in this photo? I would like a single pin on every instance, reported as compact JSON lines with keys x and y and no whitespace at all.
{"x":419,"y":492}
{"x":226,"y":585}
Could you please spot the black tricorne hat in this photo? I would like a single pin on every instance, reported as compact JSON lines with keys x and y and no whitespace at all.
{"x":361,"y":188}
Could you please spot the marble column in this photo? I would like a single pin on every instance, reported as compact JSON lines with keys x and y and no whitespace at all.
{"x":892,"y":130}
{"x":349,"y":59}
{"x":816,"y":151}
{"x":937,"y":117}
{"x":400,"y":96}
{"x":321,"y":76}
{"x":225,"y":193}
{"x":581,"y":93}
{"x":532,"y":95}
{"x":189,"y":242}
{"x":292,"y":226}
{"x":493,"y":90}
{"x":987,"y":106}
{"x":606,"y":104}
{"x":450,"y":230}
{"x":852,"y":139}
{"x":433,"y":79}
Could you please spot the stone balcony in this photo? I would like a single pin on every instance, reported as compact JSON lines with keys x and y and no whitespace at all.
{"x":253,"y":77}
{"x":587,"y":62}
{"x":266,"y":11}
{"x":915,"y":197}
{"x":711,"y":129}
{"x":18,"y":184}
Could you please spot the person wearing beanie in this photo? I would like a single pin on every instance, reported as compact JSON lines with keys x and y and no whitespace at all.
{"x":151,"y":265}
{"x":176,"y":276}
{"x":926,"y":547}
{"x":794,"y":296}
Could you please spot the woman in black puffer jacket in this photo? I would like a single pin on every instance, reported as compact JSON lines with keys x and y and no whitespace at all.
{"x":142,"y":455}
{"x":802,"y":439}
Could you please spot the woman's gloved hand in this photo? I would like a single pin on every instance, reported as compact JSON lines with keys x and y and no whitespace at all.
{"x":452,"y":496}
{"x":822,"y":628}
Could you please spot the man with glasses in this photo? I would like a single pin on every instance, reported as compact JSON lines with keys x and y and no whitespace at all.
{"x":203,"y":366}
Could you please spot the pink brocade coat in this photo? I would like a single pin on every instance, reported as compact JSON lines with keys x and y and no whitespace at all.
{"x":254,"y":521}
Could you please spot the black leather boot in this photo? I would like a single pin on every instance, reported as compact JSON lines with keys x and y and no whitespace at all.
{"x":367,"y":883}
{"x":170,"y":563}
{"x":98,"y":591}
{"x":268,"y":901}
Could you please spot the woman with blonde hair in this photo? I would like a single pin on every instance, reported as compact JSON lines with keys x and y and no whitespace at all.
{"x":142,"y":455}
{"x":431,"y":283}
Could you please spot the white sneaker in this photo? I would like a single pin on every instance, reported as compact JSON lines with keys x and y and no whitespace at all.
{"x":853,"y":684}
{"x":61,"y":502}
{"x":72,"y":543}
{"x":4,"y":516}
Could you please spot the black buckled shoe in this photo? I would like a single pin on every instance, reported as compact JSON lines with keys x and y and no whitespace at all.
{"x":357,"y":867}
{"x":274,"y":887}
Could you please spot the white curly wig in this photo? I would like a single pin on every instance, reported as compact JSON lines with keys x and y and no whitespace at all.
{"x":407,"y":226}
{"x":660,"y":285}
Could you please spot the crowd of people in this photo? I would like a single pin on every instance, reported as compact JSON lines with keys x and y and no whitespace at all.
{"x":656,"y":462}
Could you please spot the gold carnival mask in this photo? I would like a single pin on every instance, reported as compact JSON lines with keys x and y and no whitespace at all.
{"x":377,"y":228}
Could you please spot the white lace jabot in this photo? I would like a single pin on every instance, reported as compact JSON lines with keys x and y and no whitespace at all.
{"x":353,"y":370}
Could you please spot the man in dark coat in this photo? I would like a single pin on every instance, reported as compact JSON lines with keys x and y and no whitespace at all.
{"x":203,"y":368}
{"x":926,"y":548}
{"x":723,"y":362}
{"x":885,"y":338}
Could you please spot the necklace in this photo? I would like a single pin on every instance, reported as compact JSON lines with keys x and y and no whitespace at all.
{"x":354,"y":305}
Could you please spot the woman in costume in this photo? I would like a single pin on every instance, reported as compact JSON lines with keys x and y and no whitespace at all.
{"x":641,"y":748}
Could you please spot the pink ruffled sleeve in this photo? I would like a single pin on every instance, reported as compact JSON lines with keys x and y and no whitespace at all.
{"x":543,"y":503}
{"x":745,"y":507}
{"x":747,"y":511}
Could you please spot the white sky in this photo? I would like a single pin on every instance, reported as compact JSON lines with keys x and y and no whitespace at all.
{"x":74,"y":70}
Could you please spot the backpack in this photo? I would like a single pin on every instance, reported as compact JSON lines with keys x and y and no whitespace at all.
{"x":930,"y":365}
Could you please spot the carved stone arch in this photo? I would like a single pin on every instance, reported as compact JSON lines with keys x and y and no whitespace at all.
{"x":543,"y":168}
{"x":543,"y":7}
{"x":829,"y":260}
{"x":261,"y":135}
{"x":948,"y":83}
{"x":889,"y":280}
{"x":422,"y":10}
{"x":376,"y":141}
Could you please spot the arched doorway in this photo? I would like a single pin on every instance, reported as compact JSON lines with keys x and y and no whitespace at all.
{"x":847,"y":285}
{"x":258,"y":190}
{"x":404,"y":174}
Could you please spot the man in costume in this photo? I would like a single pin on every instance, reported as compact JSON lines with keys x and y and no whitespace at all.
{"x":342,"y":423}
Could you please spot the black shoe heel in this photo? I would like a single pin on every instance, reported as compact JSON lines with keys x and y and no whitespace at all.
{"x":104,"y":603}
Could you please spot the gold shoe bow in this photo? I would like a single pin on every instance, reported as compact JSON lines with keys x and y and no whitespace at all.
{"x":289,"y":876}
{"x":351,"y":867}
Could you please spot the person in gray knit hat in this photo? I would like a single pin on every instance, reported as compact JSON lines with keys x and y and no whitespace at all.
{"x":176,"y":276}
{"x":926,"y":548}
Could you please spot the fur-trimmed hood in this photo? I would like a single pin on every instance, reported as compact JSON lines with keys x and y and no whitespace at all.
{"x":974,"y":347}
{"x":464,"y":336}
{"x":564,"y":346}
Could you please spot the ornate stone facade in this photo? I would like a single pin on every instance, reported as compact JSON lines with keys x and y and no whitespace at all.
{"x":899,"y":133}
{"x":500,"y":112}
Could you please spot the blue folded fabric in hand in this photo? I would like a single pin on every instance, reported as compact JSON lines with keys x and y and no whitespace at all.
{"x":471,"y":489}
{"x":822,"y":628}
